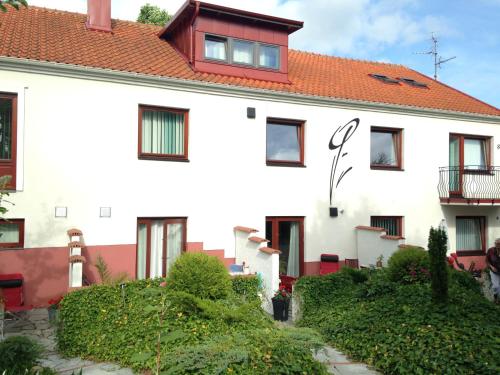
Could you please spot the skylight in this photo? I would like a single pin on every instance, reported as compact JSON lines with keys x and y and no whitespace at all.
{"x":384,"y":79}
{"x":412,"y":82}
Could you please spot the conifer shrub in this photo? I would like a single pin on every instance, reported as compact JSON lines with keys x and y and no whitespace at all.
{"x":201,"y":275}
{"x":438,"y":265}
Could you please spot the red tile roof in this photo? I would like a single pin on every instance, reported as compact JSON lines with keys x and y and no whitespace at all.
{"x":58,"y":36}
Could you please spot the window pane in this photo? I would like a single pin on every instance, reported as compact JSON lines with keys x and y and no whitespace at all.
{"x":5,"y":128}
{"x":9,"y":233}
{"x":242,"y":52}
{"x":474,"y":153}
{"x":162,"y":132}
{"x":469,"y":234}
{"x":390,"y":224}
{"x":269,"y":56}
{"x":216,"y":48}
{"x":383,"y":148}
{"x":283,"y":142}
{"x":142,"y":248}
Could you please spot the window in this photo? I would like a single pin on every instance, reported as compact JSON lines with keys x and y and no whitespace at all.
{"x":215,"y":47}
{"x":269,"y":56}
{"x":469,"y":152}
{"x":8,"y":137}
{"x":284,"y":142}
{"x":471,"y":235}
{"x":160,"y":241}
{"x":385,"y":148}
{"x":413,"y":83}
{"x":163,"y":133}
{"x":242,"y":52}
{"x":384,"y":79}
{"x":393,"y":225}
{"x":12,"y":233}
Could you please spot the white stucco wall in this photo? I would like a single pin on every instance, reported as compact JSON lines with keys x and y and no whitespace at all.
{"x":79,"y":149}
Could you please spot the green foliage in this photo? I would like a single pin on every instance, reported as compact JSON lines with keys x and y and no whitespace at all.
{"x":402,"y":331}
{"x":18,"y":354}
{"x":357,"y":276}
{"x":464,"y":280}
{"x":15,"y":3}
{"x":409,"y":265}
{"x":105,"y":274}
{"x":200,"y":275}
{"x":438,"y":265}
{"x":247,"y":287}
{"x":153,"y":15}
{"x":4,"y":182}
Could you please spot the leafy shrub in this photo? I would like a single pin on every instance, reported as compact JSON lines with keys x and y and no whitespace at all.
{"x":377,"y":285}
{"x":464,"y":280}
{"x":18,"y":354}
{"x":200,"y":275}
{"x":409,"y":265}
{"x":357,"y":276}
{"x":403,"y":332}
{"x":247,"y":286}
{"x":438,"y":264}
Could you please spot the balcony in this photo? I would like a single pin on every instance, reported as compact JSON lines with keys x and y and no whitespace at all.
{"x":470,"y":184}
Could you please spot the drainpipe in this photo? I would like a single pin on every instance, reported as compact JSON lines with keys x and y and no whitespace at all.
{"x":195,"y":14}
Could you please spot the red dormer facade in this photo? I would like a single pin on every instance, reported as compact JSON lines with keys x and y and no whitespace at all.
{"x":221,"y":40}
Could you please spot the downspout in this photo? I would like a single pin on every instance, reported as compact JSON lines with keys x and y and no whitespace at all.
{"x":195,"y":14}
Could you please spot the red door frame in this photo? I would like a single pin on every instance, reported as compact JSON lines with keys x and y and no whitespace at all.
{"x":275,"y":220}
{"x":166,"y":221}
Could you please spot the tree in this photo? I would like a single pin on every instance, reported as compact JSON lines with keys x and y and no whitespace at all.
{"x":153,"y":15}
{"x":439,"y":273}
{"x":15,"y":3}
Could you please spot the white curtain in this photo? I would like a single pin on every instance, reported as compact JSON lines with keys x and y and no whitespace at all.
{"x":268,"y":57}
{"x":142,"y":248}
{"x":9,"y":233}
{"x":474,"y":153}
{"x":215,"y":49}
{"x":469,"y":234}
{"x":293,"y":253}
{"x":243,"y":52}
{"x":174,"y":243}
{"x":156,"y":264}
{"x":162,"y":132}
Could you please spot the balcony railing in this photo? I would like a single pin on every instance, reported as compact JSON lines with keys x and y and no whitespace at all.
{"x":469,"y":184}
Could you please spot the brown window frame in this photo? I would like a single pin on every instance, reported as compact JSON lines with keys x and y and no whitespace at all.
{"x":9,"y":166}
{"x":166,"y":157}
{"x":300,"y":124}
{"x":166,"y":220}
{"x":14,"y":245}
{"x":461,"y":151}
{"x":398,"y":132}
{"x":482,"y":227}
{"x":399,"y":223}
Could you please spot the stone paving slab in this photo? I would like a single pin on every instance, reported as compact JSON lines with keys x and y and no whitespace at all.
{"x":340,"y":364}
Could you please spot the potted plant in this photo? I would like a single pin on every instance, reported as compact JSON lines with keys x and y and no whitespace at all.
{"x":53,"y":308}
{"x":281,"y":301}
{"x":379,"y":263}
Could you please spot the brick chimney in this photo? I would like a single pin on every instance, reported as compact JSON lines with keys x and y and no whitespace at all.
{"x":99,"y":15}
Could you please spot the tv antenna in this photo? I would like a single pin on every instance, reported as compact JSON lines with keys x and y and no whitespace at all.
{"x":438,"y":60}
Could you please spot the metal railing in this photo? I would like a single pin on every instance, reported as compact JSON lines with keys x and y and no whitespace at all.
{"x":470,"y":182}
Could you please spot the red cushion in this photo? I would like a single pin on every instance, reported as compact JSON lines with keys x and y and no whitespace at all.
{"x":13,"y":296}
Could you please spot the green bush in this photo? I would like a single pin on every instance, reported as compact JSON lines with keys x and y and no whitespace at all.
{"x":438,"y":241}
{"x":464,"y":280}
{"x":357,"y":276}
{"x":402,"y":331}
{"x":409,"y":265}
{"x":247,"y":287}
{"x":18,"y":354}
{"x":200,"y":275}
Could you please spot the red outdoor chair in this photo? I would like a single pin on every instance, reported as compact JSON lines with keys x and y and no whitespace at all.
{"x":352,"y":263}
{"x":12,"y":291}
{"x":329,"y":264}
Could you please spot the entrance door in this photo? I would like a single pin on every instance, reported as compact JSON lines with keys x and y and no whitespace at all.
{"x":287,"y":235}
{"x":159,"y":243}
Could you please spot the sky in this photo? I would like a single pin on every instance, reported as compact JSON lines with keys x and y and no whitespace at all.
{"x":395,"y":31}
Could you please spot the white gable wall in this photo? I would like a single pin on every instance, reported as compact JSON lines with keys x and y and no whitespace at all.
{"x":80,"y":151}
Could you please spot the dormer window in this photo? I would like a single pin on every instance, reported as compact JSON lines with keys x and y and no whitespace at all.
{"x":269,"y":56}
{"x":215,"y":47}
{"x":242,"y":52}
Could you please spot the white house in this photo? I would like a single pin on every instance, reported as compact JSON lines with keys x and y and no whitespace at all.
{"x":206,"y":132}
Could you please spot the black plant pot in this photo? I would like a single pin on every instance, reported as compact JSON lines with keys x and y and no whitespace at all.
{"x":280,"y":310}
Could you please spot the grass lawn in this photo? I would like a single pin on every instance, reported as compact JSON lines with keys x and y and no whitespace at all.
{"x":397,"y":329}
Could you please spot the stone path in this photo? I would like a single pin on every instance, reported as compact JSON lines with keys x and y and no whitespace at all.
{"x":36,"y":325}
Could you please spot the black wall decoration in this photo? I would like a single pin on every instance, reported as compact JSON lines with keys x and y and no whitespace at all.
{"x":337,"y":143}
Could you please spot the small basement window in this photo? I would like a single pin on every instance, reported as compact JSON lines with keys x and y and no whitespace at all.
{"x":11,"y":233}
{"x":384,"y":79}
{"x":412,"y":82}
